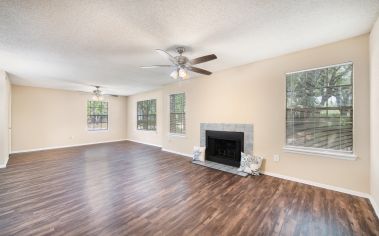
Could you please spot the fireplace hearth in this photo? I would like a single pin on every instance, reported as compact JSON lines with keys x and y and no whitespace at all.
{"x":224,"y":147}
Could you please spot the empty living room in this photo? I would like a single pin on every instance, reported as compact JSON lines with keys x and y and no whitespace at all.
{"x":203,"y":117}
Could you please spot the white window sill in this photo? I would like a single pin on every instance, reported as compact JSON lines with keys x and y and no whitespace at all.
{"x":177,"y":135}
{"x":98,"y":130}
{"x":147,"y":130}
{"x":324,"y":153}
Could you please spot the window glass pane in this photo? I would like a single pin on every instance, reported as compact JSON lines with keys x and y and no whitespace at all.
{"x":321,"y":77}
{"x":299,"y":134}
{"x":289,"y":82}
{"x":177,"y":113}
{"x":345,"y":98}
{"x":290,"y":133}
{"x":97,"y":115}
{"x":146,"y":109}
{"x":320,"y":108}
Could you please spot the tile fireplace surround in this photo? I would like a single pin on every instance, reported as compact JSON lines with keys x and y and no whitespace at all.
{"x":247,"y":129}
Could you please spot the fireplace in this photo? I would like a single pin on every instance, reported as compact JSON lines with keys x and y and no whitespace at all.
{"x":224,"y":147}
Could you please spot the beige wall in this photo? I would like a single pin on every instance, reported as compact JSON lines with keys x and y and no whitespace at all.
{"x":255,"y":93}
{"x":5,"y":123}
{"x":148,"y":137}
{"x":374,"y":101}
{"x":43,"y":118}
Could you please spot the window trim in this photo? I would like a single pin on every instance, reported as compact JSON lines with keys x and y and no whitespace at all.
{"x":337,"y":154}
{"x":156,"y":116}
{"x":345,"y":155}
{"x":108,"y":123}
{"x":179,"y":135}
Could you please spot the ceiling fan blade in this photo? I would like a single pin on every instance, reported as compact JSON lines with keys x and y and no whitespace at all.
{"x":112,"y":95}
{"x":166,"y":54}
{"x":82,"y":91}
{"x":199,"y":70}
{"x":155,"y":66}
{"x":203,"y":59}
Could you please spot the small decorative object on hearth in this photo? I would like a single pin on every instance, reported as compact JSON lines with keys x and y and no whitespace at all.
{"x":250,"y":164}
{"x":255,"y":166}
{"x":198,"y":154}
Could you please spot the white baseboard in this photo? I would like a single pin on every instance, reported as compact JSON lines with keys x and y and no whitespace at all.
{"x":163,"y":149}
{"x":320,"y":185}
{"x":65,"y":146}
{"x":374,"y":205}
{"x":5,"y":164}
{"x":150,"y":144}
{"x":178,"y":153}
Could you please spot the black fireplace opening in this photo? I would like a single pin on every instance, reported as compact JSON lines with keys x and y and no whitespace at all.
{"x":224,"y":147}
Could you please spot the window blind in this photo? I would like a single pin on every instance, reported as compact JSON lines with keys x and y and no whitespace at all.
{"x":147,"y":115}
{"x":319,"y":111}
{"x":97,"y":115}
{"x":177,"y":113}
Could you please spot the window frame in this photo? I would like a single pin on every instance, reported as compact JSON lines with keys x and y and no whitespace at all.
{"x":147,"y":116}
{"x":181,"y":135}
{"x":97,"y":129}
{"x":322,"y":152}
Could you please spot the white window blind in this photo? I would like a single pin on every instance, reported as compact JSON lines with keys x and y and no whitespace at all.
{"x":320,"y":108}
{"x":147,"y":115}
{"x":97,"y":115}
{"x":177,"y":113}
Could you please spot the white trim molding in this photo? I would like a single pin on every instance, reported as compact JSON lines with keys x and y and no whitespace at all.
{"x":321,"y":67}
{"x":320,"y":185}
{"x":64,"y":146}
{"x":150,"y":144}
{"x":374,"y":205}
{"x":5,"y":164}
{"x":321,"y":152}
{"x":178,"y":153}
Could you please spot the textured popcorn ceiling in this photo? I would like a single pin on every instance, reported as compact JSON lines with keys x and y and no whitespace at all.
{"x":67,"y":44}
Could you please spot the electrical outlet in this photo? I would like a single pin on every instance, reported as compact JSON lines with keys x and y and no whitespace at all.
{"x":276,"y":158}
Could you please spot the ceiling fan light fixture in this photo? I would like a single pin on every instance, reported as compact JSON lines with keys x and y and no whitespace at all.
{"x":182,"y":73}
{"x":97,"y":97}
{"x":174,"y":74}
{"x":97,"y":94}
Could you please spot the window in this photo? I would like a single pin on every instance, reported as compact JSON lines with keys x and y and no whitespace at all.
{"x":320,"y":109}
{"x":97,"y":115}
{"x":177,"y":113}
{"x":147,"y":115}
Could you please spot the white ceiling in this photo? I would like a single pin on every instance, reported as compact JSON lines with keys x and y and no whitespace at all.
{"x":67,"y":44}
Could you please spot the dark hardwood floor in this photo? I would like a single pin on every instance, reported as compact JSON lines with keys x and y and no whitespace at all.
{"x":126,"y":188}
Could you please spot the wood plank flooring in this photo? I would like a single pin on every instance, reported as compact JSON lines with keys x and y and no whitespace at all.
{"x":126,"y":188}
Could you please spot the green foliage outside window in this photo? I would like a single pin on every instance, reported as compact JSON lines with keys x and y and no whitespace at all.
{"x":320,"y":108}
{"x":97,"y":115}
{"x":147,"y":115}
{"x":177,"y":113}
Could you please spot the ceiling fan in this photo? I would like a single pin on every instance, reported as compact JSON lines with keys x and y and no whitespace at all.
{"x":98,"y":95}
{"x":182,"y":64}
